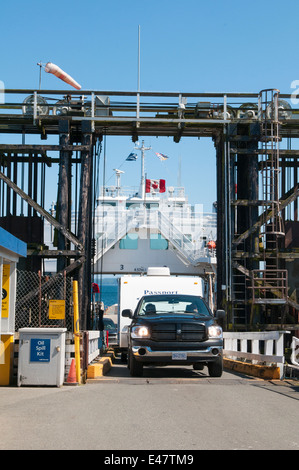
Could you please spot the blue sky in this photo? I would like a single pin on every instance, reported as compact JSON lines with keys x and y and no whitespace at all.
{"x":190,"y":46}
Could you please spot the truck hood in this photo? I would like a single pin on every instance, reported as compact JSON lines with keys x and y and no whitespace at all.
{"x":170,"y":317}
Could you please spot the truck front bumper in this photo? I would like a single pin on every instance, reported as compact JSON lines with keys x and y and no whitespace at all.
{"x":206,"y":354}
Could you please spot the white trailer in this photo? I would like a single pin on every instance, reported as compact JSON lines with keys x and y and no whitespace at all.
{"x":156,"y":281}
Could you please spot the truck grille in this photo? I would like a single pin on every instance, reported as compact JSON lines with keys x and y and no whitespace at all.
{"x":178,"y":332}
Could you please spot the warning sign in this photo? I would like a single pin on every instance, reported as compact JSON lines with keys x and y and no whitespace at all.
{"x":5,"y":290}
{"x":56,"y":309}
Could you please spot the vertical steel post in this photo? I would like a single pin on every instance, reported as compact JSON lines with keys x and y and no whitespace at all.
{"x":64,"y":185}
{"x":220,"y":250}
{"x":85,"y":225}
{"x":76,"y":331}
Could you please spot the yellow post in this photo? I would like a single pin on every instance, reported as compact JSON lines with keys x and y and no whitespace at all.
{"x":6,"y":358}
{"x":76,"y":331}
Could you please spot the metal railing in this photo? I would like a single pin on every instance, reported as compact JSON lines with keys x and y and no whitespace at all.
{"x":132,"y":104}
{"x":257,"y":347}
{"x":269,"y":286}
{"x":103,"y":105}
{"x":110,"y":229}
{"x":92,"y":345}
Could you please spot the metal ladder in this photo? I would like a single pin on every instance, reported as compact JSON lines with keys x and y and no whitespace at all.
{"x":239,"y":293}
{"x":270,"y":137}
{"x":270,"y":284}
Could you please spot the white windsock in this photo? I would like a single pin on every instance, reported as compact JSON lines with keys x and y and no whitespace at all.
{"x":52,"y":68}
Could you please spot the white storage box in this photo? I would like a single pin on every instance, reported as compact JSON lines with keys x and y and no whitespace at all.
{"x":41,"y":356}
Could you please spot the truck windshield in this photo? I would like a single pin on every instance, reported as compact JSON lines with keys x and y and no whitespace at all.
{"x":172,"y":304}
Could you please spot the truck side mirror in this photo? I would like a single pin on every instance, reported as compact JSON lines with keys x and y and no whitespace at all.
{"x":220,"y":314}
{"x":127,"y":313}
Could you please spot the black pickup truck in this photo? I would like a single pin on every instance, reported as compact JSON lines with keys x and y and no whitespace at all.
{"x":174,"y":330}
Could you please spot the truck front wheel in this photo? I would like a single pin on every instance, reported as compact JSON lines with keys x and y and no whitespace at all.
{"x":136,"y":368}
{"x":216,"y":368}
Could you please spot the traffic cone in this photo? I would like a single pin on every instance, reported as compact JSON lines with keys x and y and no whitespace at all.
{"x":71,"y":378}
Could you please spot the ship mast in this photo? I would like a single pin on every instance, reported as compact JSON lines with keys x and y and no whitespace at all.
{"x":142,"y":149}
{"x":117,"y":173}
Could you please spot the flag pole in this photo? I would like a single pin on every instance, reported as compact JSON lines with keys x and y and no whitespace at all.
{"x":142,"y":182}
{"x":138,"y":75}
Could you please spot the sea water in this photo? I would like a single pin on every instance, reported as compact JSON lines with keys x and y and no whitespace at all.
{"x":108,"y":291}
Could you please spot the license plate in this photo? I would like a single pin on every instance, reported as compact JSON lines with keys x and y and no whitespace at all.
{"x":179,"y":356}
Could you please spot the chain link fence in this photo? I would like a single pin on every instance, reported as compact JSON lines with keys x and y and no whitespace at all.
{"x":34,"y":293}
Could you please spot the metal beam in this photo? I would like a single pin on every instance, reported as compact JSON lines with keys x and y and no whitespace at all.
{"x":54,"y":253}
{"x":289,"y":256}
{"x":41,"y":149}
{"x":70,"y":236}
{"x":283,"y":203}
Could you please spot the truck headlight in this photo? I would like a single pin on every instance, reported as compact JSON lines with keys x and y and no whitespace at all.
{"x":215,"y":331}
{"x":140,"y":332}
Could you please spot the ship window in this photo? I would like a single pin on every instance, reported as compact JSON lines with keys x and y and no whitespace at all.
{"x":106,"y":204}
{"x":153,"y":205}
{"x":132,"y":205}
{"x":158,"y":242}
{"x":129,"y":242}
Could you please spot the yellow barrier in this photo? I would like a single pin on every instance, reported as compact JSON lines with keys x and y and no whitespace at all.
{"x":100,"y":368}
{"x":263,"y":372}
{"x":6,"y":358}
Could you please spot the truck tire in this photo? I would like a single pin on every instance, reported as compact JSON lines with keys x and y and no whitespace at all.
{"x":123,"y":357}
{"x":216,"y":368}
{"x":198,"y":366}
{"x":136,"y":368}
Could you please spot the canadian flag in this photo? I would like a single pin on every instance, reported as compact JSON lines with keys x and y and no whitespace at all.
{"x":155,"y":186}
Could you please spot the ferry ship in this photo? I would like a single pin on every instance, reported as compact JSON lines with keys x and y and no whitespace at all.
{"x":148,"y":225}
{"x":152,"y":225}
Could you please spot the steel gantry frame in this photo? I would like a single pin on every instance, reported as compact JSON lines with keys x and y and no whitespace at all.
{"x":257,"y":183}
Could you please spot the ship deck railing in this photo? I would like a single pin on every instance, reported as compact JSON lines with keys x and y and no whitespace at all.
{"x":188,"y":235}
